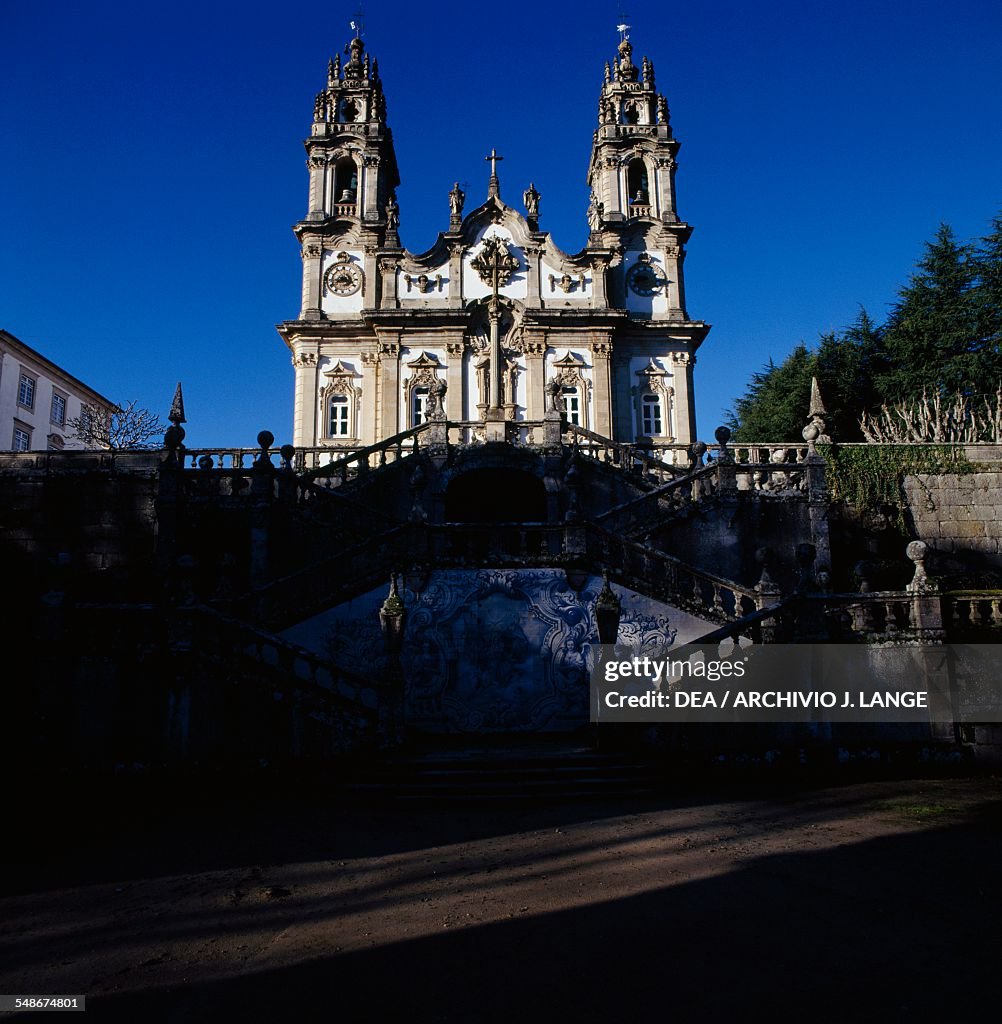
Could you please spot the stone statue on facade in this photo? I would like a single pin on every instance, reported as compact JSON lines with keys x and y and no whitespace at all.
{"x":457,"y":197}
{"x":530,"y":198}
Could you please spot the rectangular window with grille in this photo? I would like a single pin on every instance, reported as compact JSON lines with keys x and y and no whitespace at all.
{"x":22,"y":440}
{"x":26,"y":391}
{"x":652,"y":415}
{"x":572,"y":406}
{"x":339,"y":419}
{"x":58,"y":415}
{"x":419,"y":404}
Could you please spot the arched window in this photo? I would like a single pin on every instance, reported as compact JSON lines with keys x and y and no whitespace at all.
{"x":651,"y":420}
{"x":345,"y":181}
{"x":636,"y":183}
{"x":571,"y":399}
{"x":419,"y":406}
{"x":339,"y":416}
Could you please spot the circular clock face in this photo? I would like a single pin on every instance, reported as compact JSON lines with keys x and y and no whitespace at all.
{"x":645,"y":279}
{"x":343,"y":279}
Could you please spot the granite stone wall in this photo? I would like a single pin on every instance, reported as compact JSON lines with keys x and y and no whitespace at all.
{"x":959,"y":515}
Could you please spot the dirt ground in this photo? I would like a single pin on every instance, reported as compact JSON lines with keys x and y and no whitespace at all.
{"x":855,"y":902}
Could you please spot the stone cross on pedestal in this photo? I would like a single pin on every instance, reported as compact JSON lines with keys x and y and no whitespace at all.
{"x":494,"y":185}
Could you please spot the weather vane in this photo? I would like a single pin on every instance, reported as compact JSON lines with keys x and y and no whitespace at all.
{"x":622,"y":28}
{"x":358,"y":25}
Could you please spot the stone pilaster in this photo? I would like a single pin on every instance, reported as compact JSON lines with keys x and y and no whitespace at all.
{"x":388,"y":283}
{"x":455,"y":275}
{"x":370,"y":189}
{"x":532,"y":257}
{"x":455,"y":377}
{"x":370,"y":383}
{"x":601,"y":376}
{"x":305,"y":423}
{"x":312,"y":253}
{"x":685,"y":413}
{"x":598,"y":293}
{"x":389,"y":387}
{"x":535,"y":378}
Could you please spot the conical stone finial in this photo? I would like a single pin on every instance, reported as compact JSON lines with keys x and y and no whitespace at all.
{"x":176,"y":414}
{"x":817,"y":405}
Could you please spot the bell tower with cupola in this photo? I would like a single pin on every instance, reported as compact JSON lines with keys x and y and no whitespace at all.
{"x":353,"y":180}
{"x":633,"y":214}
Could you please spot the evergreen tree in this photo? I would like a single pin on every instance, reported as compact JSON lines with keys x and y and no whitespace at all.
{"x":845,"y":366}
{"x":932,"y":339}
{"x":774,"y":408}
{"x":987,"y":260}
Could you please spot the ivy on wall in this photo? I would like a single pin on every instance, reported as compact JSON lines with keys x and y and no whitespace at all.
{"x":871,"y":478}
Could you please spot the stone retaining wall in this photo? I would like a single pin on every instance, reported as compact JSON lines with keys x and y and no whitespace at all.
{"x":959,"y":514}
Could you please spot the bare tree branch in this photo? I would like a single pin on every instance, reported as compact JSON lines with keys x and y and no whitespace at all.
{"x":127,"y":426}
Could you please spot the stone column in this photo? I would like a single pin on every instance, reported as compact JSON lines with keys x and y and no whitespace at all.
{"x":602,"y":387}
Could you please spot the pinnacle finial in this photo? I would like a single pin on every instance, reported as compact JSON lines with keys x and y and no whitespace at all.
{"x":817,"y":405}
{"x":176,"y":414}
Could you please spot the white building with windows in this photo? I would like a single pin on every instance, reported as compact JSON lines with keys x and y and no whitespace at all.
{"x":381,"y":329}
{"x":38,"y":399}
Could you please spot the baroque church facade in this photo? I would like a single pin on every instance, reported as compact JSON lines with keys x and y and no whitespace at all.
{"x":494,"y":324}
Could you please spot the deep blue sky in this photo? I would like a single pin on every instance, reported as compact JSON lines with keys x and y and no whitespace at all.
{"x":152,"y":166}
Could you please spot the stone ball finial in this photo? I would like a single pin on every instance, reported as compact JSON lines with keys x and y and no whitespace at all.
{"x":698,"y":449}
{"x":287,"y":451}
{"x":722,"y":434}
{"x":205,"y":462}
{"x":810,"y":433}
{"x":917,"y":550}
{"x":265,"y":440}
{"x":173,"y":437}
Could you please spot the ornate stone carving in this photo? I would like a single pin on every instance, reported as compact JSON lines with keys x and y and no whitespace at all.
{"x":566,"y":283}
{"x":304,"y":359}
{"x":568,"y":374}
{"x":311,"y":251}
{"x":654,"y":381}
{"x":340,"y":381}
{"x":424,"y":374}
{"x":371,"y":159}
{"x":495,"y":257}
{"x":342,"y":277}
{"x":423,"y":283}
